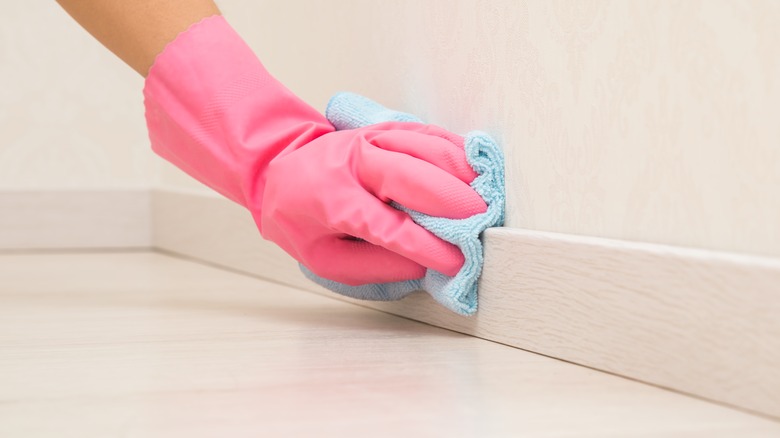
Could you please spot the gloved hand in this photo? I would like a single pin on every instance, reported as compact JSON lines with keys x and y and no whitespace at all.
{"x":215,"y":112}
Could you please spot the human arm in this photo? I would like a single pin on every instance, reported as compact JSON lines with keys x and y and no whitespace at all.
{"x":137,"y":31}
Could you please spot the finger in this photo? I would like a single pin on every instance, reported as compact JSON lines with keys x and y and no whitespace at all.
{"x":374,"y":221}
{"x":417,"y":184}
{"x":356,"y":262}
{"x":425,"y":142}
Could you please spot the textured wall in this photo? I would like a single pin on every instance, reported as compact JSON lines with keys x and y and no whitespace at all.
{"x":651,"y":121}
{"x":70,"y":113}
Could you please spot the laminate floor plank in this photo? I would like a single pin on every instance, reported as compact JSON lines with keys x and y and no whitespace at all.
{"x":141,"y":344}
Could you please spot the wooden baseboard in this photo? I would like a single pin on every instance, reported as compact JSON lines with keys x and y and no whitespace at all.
{"x":701,"y":322}
{"x":215,"y":230}
{"x":58,"y":219}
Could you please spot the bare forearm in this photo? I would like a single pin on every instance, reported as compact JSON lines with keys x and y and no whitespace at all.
{"x":136,"y":31}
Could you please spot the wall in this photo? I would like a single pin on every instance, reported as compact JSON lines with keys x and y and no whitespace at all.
{"x":71,"y":114}
{"x":649,"y":121}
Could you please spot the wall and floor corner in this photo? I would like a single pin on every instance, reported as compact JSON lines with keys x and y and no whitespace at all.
{"x":633,"y":121}
{"x":75,"y":166}
{"x":622,"y":122}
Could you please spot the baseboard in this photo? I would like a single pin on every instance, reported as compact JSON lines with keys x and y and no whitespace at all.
{"x":213,"y":229}
{"x":700,"y":322}
{"x":58,"y":219}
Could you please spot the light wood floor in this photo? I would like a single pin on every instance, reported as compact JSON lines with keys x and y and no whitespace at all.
{"x":141,"y":344}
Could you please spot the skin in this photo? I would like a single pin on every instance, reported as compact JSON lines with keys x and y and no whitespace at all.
{"x":137,"y":30}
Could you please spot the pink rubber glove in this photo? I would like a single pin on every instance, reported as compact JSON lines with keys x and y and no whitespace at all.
{"x":215,"y":112}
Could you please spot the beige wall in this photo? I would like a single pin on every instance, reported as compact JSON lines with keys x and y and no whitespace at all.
{"x":70,"y":113}
{"x":651,"y":121}
{"x":638,"y":120}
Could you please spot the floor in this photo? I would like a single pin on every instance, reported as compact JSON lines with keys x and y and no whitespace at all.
{"x":141,"y":344}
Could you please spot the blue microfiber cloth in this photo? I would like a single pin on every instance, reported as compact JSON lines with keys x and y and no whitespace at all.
{"x":458,"y":293}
